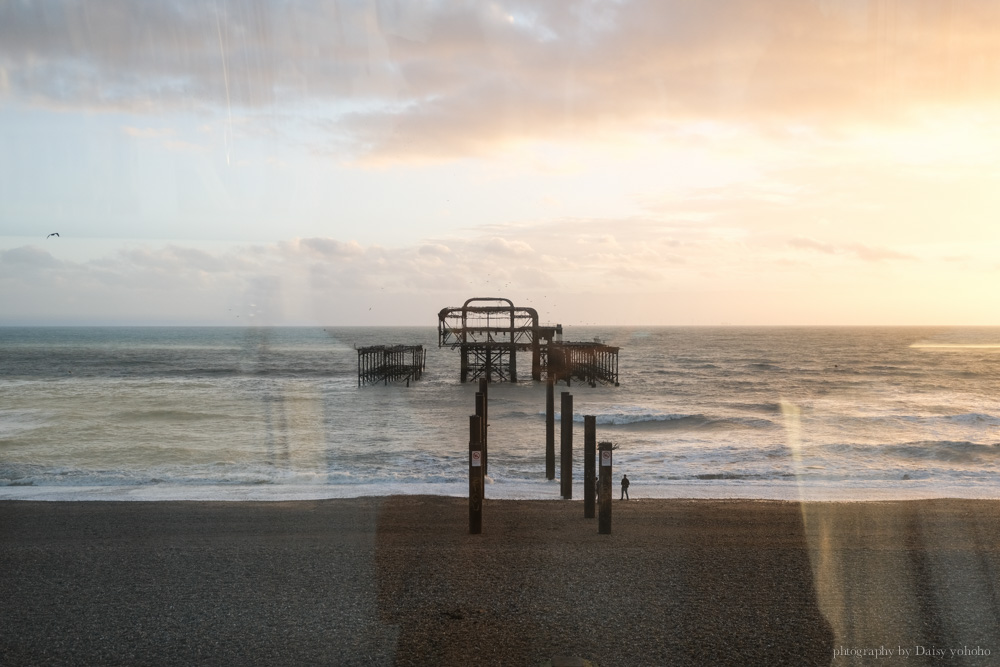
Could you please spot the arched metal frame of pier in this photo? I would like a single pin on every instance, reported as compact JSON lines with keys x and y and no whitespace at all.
{"x":490,"y":332}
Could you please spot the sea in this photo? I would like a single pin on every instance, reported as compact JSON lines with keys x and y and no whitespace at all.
{"x":220,"y":413}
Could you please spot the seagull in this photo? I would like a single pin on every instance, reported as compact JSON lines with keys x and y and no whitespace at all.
{"x":53,"y":234}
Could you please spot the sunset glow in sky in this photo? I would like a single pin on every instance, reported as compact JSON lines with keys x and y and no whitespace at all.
{"x":349,"y":163}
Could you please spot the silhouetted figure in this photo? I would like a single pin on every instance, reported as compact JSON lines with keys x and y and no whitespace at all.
{"x":53,"y":234}
{"x":625,"y":484}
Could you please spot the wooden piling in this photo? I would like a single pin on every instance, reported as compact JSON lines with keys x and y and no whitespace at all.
{"x":481,"y":413}
{"x":475,"y":476}
{"x":604,"y":514}
{"x":589,"y":451}
{"x":484,"y":390}
{"x":550,"y":430}
{"x":566,"y":449}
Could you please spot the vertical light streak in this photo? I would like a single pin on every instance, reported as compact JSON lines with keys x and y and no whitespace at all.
{"x":225,"y":77}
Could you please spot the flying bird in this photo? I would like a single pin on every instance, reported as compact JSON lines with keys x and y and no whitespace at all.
{"x":53,"y":234}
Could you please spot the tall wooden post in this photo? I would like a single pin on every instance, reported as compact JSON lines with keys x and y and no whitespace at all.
{"x":604,"y":515}
{"x":566,"y":449}
{"x":589,"y":450}
{"x":536,"y":354}
{"x":550,"y":430}
{"x":475,"y":477}
{"x":481,"y":413}
{"x":484,"y":390}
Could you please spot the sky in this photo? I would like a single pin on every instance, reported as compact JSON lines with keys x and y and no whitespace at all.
{"x":370,"y":162}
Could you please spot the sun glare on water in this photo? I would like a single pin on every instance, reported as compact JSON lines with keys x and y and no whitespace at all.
{"x":958,"y":346}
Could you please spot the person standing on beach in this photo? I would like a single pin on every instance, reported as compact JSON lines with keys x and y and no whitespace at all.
{"x":625,"y":484}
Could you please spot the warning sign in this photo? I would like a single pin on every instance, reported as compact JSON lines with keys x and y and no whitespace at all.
{"x":477,"y":458}
{"x":606,"y":458}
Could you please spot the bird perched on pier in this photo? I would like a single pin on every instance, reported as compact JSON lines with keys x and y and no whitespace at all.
{"x":53,"y":234}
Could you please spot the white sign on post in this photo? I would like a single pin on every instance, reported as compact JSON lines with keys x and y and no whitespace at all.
{"x":606,"y":458}
{"x":477,"y":458}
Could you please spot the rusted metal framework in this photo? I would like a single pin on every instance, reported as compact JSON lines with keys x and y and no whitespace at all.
{"x":491,"y":332}
{"x":587,"y":362}
{"x":395,"y":363}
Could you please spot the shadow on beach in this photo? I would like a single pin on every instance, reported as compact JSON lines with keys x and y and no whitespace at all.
{"x":678,"y":582}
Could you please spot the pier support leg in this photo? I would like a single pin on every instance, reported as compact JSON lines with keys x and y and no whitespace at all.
{"x":484,"y":390}
{"x":481,"y":413}
{"x":589,"y":451}
{"x":550,"y":430}
{"x":475,"y":477}
{"x":604,"y":515}
{"x":566,"y":449}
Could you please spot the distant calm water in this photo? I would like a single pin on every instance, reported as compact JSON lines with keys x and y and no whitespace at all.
{"x":232,"y":413}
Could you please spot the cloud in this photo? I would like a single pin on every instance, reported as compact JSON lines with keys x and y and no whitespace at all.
{"x":404,"y":81}
{"x":435,"y":250}
{"x":28,"y":257}
{"x":859,"y":250}
{"x":809,"y":244}
{"x":331,"y":248}
{"x":174,"y":260}
{"x":320,"y":272}
{"x":598,"y":239}
{"x":329,"y":281}
{"x":631,"y":275}
{"x":870,"y":254}
{"x":503,"y":247}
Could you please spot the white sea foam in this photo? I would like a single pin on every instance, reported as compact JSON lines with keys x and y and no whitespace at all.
{"x":625,"y":414}
{"x":14,"y":422}
{"x":793,"y":491}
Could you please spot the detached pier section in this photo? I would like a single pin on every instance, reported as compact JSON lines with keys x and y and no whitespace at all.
{"x":395,"y":363}
{"x":587,"y":362}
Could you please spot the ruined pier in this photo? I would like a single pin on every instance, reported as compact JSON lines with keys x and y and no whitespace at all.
{"x":494,"y":336}
{"x":491,"y":333}
{"x":592,"y":363}
{"x":390,"y":363}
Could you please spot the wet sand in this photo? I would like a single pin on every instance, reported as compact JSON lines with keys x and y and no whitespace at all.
{"x":398,"y":580}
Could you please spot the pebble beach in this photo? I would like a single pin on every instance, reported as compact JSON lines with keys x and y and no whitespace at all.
{"x":400,"y":581}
